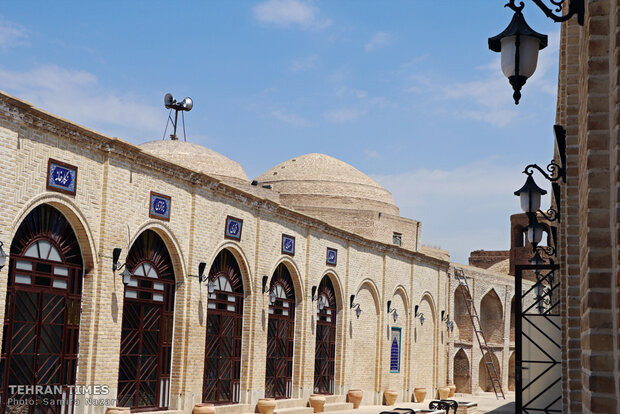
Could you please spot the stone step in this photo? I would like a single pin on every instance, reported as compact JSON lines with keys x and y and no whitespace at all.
{"x":338,"y":406}
{"x":331,"y":399}
{"x":233,"y":409}
{"x":294,"y":410}
{"x":291,"y":403}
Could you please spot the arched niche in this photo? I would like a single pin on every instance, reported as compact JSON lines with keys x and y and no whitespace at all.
{"x":463,"y":329}
{"x":462,"y":372}
{"x":492,"y":318}
{"x":484,"y":382}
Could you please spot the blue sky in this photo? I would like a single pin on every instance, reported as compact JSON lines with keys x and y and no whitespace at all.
{"x":405,"y":91}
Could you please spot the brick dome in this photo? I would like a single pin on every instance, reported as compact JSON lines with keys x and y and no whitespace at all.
{"x":198,"y":158}
{"x":320,"y":182}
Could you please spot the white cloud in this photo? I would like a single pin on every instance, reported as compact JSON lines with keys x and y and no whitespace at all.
{"x":11,"y":34}
{"x":285,"y":13}
{"x":489,"y":99}
{"x":291,"y":119}
{"x":339,"y":116}
{"x":372,"y":154}
{"x":378,"y":41}
{"x":464,"y":208}
{"x":77,"y":95}
{"x":303,"y":64}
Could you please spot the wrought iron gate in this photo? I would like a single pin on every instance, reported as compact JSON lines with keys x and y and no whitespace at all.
{"x":538,"y":341}
{"x":224,"y":331}
{"x":42,"y":317}
{"x":280,"y":335}
{"x":146,"y":337}
{"x":325,"y":348}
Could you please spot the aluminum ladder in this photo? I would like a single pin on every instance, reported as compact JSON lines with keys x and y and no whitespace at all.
{"x":475,"y":322}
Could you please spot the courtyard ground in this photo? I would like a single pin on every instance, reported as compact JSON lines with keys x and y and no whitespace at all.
{"x":487,"y":403}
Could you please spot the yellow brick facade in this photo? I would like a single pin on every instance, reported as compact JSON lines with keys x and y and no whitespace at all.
{"x":112,"y":200}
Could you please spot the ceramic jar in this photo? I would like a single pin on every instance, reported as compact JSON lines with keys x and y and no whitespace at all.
{"x":203,"y":408}
{"x":452,"y":390}
{"x":355,"y":397}
{"x":443,"y":392}
{"x":266,"y":405}
{"x":390,"y":396}
{"x":317,"y":402}
{"x":420,"y":394}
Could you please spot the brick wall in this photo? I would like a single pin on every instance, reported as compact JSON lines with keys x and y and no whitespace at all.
{"x":588,"y":108}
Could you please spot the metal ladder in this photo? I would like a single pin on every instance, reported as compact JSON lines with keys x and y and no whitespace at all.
{"x":475,"y":322}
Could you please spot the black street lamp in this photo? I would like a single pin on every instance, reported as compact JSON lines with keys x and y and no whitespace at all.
{"x":519,"y":45}
{"x":530,"y":195}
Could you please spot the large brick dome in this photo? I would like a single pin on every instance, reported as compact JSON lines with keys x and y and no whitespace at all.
{"x":314,"y":182}
{"x":198,"y":158}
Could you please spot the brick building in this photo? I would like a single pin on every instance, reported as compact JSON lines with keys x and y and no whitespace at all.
{"x":588,"y":233}
{"x":282,"y":256}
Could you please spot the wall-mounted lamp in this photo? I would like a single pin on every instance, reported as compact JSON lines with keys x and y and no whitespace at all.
{"x":201,"y":272}
{"x":3,"y":256}
{"x":419,"y":315}
{"x":356,"y":306}
{"x":265,"y":280}
{"x":314,"y":293}
{"x":392,"y":310}
{"x":126,"y":273}
{"x":445,"y":317}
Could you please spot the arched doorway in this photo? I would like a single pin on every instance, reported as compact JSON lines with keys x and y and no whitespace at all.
{"x":325,"y":345}
{"x":484,"y":382}
{"x":146,"y":335}
{"x":492,"y":318}
{"x":462,"y":376}
{"x":280,"y":335}
{"x":42,"y":319}
{"x":222,"y":373}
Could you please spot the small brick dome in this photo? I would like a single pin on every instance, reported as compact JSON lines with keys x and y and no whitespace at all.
{"x":321,"y":182}
{"x":197,"y":158}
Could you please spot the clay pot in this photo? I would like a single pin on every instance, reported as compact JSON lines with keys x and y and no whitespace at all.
{"x":390,"y":396}
{"x":452,"y":390}
{"x":317,"y":402}
{"x":117,"y":410}
{"x":355,"y":397}
{"x":203,"y":408}
{"x":420,"y":394}
{"x":443,"y":392}
{"x":266,"y":405}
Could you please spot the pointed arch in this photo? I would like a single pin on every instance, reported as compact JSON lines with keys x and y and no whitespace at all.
{"x":462,"y":372}
{"x":338,"y":287}
{"x":74,"y":216}
{"x":372,"y":287}
{"x":242,"y":261}
{"x":402,"y":292}
{"x":295,"y":274}
{"x":171,"y":242}
{"x":492,"y":317}
{"x":484,"y":382}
